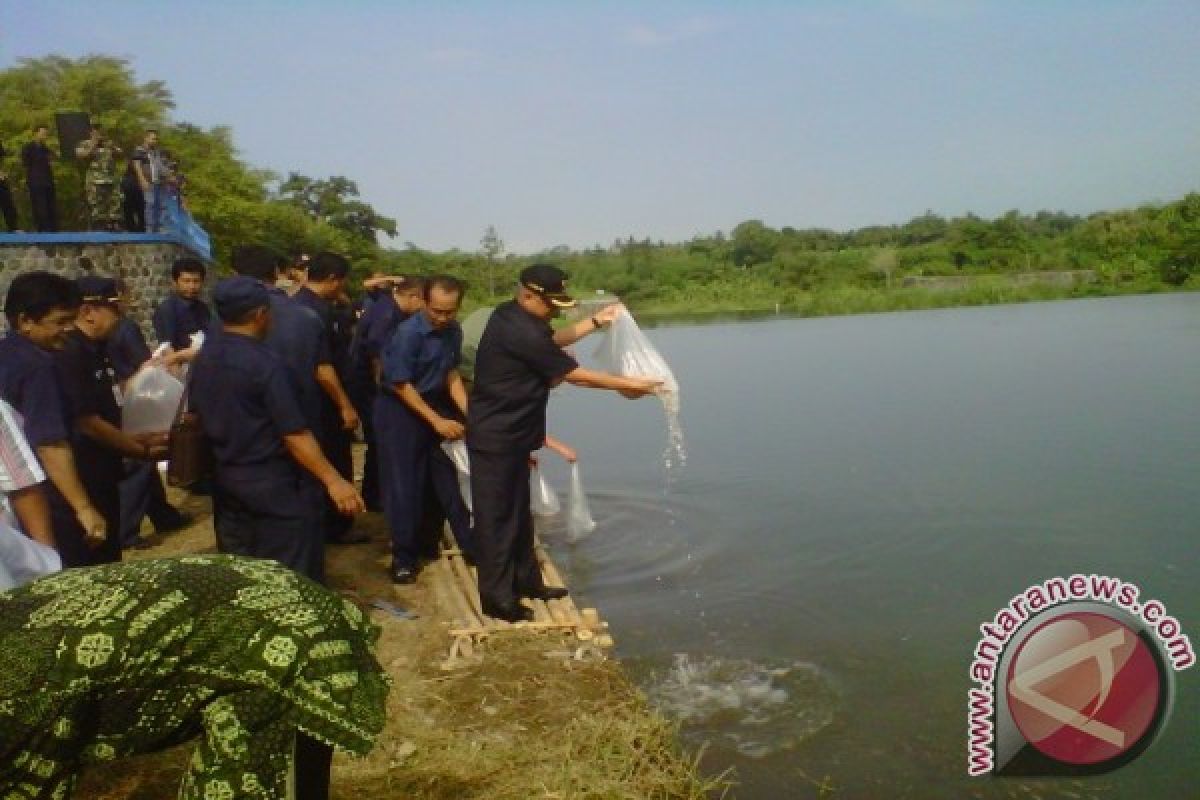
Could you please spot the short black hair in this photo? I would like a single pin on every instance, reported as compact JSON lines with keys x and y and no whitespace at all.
{"x":255,"y":261}
{"x":326,"y":265}
{"x":447,"y":283}
{"x":188,"y":265}
{"x":152,"y":130}
{"x":36,"y":294}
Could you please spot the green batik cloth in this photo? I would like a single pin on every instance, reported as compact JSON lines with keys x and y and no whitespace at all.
{"x":110,"y":661}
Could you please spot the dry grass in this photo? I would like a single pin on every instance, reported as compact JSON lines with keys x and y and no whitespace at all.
{"x":523,"y":721}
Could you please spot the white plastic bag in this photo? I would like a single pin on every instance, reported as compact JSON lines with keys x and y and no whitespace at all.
{"x":151,"y":401}
{"x":22,"y":559}
{"x":579,"y":516}
{"x":543,"y":502}
{"x":625,"y":350}
{"x":457,"y":451}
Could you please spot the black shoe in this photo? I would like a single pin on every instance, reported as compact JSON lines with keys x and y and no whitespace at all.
{"x":404,"y":575}
{"x":545,"y":593}
{"x":178,"y":523}
{"x":509,"y":612}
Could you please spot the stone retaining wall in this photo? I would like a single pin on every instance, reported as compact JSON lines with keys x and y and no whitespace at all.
{"x":144,"y":266}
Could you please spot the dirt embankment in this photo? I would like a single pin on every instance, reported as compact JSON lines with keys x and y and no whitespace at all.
{"x":522,"y":721}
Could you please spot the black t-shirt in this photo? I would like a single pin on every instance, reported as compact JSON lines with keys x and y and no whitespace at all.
{"x":36,"y":158}
{"x":89,"y":383}
{"x":515,"y":367}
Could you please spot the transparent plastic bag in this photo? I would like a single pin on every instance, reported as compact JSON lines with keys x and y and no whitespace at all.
{"x":625,"y":350}
{"x":151,"y":401}
{"x":579,"y":516}
{"x":22,"y":559}
{"x":457,"y":452}
{"x":543,"y":502}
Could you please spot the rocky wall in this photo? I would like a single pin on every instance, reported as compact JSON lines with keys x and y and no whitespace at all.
{"x":145,"y":267}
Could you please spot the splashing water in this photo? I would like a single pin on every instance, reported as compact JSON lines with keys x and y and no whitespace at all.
{"x":757,"y":709}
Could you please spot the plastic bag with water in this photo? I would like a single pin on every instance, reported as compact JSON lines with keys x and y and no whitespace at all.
{"x":457,"y":451}
{"x":151,"y":401}
{"x":625,"y":350}
{"x":543,"y":501}
{"x":579,"y":516}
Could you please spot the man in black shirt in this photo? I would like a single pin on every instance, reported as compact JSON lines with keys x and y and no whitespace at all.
{"x":520,"y":359}
{"x":7,"y":208}
{"x":94,"y":400}
{"x":36,"y":157}
{"x":183,"y":312}
{"x":324,"y":282}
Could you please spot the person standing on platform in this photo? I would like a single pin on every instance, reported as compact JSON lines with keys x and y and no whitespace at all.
{"x":133,"y":201}
{"x":325,"y":281}
{"x":39,"y":176}
{"x":421,"y":403}
{"x":150,"y":170}
{"x":7,"y":208}
{"x":269,"y":468}
{"x":100,"y":181}
{"x":520,"y":359}
{"x":94,"y":399}
{"x":182,"y":313}
{"x":142,"y":492}
{"x":41,"y":308}
{"x":372,"y":333}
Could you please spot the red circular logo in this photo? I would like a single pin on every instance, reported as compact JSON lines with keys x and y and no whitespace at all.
{"x":1084,"y":688}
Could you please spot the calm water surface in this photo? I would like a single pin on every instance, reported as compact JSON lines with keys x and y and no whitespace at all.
{"x":862,"y":492}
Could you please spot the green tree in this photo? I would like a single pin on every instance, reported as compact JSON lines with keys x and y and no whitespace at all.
{"x":335,"y":201}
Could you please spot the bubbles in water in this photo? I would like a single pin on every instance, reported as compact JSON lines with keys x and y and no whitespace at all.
{"x":756,"y":709}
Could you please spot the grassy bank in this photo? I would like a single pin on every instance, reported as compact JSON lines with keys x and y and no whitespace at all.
{"x":855,"y":300}
{"x":523,"y":721}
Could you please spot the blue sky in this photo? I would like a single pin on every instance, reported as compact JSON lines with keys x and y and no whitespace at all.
{"x":579,"y":122}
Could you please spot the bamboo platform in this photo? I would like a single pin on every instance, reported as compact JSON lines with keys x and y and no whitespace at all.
{"x":456,"y":588}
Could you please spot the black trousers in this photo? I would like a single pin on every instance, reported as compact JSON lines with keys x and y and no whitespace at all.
{"x":312,"y":762}
{"x":7,"y":208}
{"x":45,"y":208}
{"x":70,"y":540}
{"x":142,"y":495}
{"x":270,"y":515}
{"x":133,"y":209}
{"x":505,"y":556}
{"x":337,"y":445}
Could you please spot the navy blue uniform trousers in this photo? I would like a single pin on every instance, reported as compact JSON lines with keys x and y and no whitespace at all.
{"x":271,"y":512}
{"x":410,"y":459}
{"x":505,"y":556}
{"x":142,"y":495}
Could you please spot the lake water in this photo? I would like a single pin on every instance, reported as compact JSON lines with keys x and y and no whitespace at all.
{"x":860,"y":494}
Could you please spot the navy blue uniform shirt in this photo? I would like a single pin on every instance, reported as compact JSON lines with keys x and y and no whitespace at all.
{"x":30,"y":383}
{"x":89,"y":386}
{"x":176,"y":319}
{"x":296,"y":336}
{"x":247,"y":401}
{"x":422,"y":355}
{"x":127,"y":349}
{"x":515,"y":367}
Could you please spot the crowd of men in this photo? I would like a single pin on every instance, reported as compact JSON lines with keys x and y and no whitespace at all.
{"x":283,"y":376}
{"x":134,"y":194}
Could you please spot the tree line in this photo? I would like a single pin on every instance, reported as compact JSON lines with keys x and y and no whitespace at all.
{"x":1143,"y":249}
